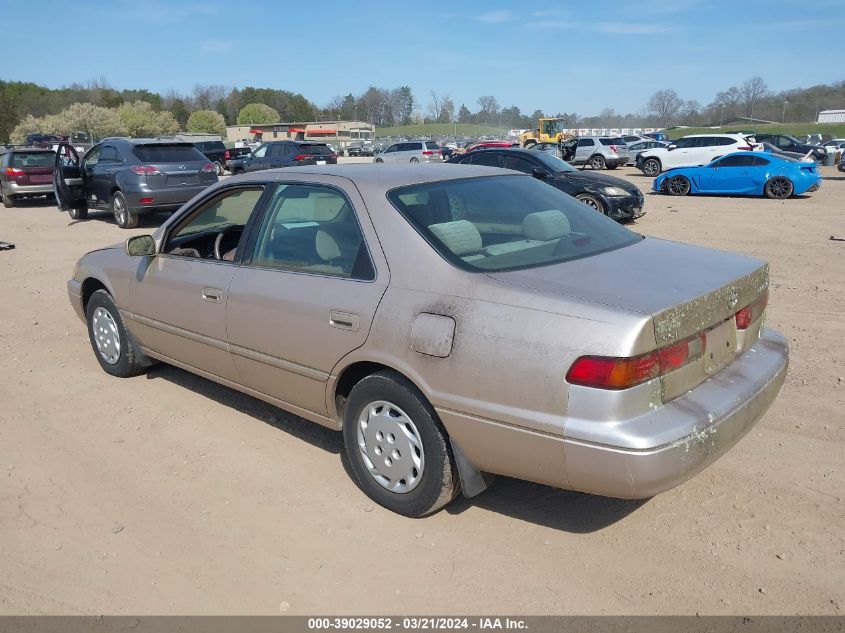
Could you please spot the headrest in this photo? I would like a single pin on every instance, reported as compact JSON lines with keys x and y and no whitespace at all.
{"x":461,"y":237}
{"x":545,"y":225}
{"x":337,"y":241}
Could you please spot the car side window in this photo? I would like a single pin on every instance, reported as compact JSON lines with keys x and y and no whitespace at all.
{"x":520,"y":164}
{"x":392,"y":148}
{"x":92,"y":157}
{"x":312,"y":229}
{"x":226,"y":214}
{"x":490,"y":159}
{"x":261,"y":151}
{"x":109,"y":155}
{"x":760,"y":162}
{"x":736,"y":161}
{"x":585,"y":142}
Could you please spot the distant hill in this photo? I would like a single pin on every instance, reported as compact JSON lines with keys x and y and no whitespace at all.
{"x":442,"y":129}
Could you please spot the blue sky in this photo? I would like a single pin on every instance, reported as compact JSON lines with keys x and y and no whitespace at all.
{"x":556,"y":56}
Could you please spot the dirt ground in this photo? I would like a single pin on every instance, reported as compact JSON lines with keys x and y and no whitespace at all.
{"x":167,"y":494}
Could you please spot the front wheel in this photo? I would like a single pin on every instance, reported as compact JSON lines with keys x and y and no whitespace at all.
{"x":651,"y":167}
{"x":677,"y":186}
{"x":415,"y":160}
{"x":397,"y":447}
{"x":78,"y":214}
{"x":597,"y":162}
{"x":122,"y":215}
{"x":379,"y":160}
{"x":592,"y":201}
{"x":778,"y":188}
{"x":110,"y":341}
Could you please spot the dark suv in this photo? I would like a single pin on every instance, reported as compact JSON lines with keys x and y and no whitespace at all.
{"x":285,"y":154}
{"x":25,"y":172}
{"x":129,"y":177}
{"x":214,"y":151}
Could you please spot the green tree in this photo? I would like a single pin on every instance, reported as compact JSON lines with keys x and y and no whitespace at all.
{"x":180,"y":112}
{"x":139,"y":119}
{"x":208,"y":122}
{"x":257,"y":114}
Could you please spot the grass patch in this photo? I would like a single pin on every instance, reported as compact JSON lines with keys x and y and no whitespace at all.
{"x":792,"y":129}
{"x":441,"y":129}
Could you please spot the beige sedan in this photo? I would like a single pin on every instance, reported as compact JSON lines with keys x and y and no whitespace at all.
{"x":454,"y":322}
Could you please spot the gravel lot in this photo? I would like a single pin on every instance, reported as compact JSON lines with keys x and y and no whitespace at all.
{"x":166,"y":493}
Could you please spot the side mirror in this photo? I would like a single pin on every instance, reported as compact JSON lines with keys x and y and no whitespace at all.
{"x":140,"y":246}
{"x":540,"y":174}
{"x":671,"y":147}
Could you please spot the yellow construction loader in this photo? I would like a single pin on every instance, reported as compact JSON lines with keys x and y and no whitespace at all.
{"x":549,"y":130}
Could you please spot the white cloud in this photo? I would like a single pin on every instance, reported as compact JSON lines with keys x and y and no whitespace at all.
{"x":495,"y":17}
{"x":630,"y":28}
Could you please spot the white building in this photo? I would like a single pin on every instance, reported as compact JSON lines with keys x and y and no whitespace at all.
{"x":831,"y":116}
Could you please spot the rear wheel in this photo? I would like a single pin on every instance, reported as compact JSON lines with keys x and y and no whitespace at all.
{"x":8,"y":201}
{"x":597,"y":162}
{"x":397,"y":447}
{"x":415,"y":160}
{"x":651,"y":167}
{"x":778,"y":188}
{"x":677,"y":186}
{"x":530,"y":143}
{"x":613,"y":166}
{"x":218,"y":166}
{"x":592,"y":201}
{"x":78,"y":214}
{"x":237,"y":170}
{"x":379,"y":160}
{"x":122,"y":215}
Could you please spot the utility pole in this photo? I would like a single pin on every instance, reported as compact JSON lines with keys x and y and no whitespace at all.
{"x":721,"y":114}
{"x":783,"y":116}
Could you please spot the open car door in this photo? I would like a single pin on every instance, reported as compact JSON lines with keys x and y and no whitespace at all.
{"x":67,"y":179}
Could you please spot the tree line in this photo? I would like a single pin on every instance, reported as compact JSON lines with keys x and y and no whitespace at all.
{"x":209,"y":108}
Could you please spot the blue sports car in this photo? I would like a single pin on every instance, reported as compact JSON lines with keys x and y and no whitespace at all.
{"x":745,"y":174}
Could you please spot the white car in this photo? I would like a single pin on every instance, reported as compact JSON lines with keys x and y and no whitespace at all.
{"x":411,"y":152}
{"x":692,"y":151}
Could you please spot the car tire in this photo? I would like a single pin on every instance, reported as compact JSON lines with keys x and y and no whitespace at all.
{"x":124,"y":218}
{"x":415,"y":159}
{"x":379,"y":160}
{"x":613,"y":166}
{"x":778,"y":188}
{"x":390,"y":406}
{"x":597,"y":162}
{"x":8,"y":201}
{"x":593,"y":202}
{"x":113,"y":347}
{"x":237,"y":171}
{"x":218,"y":167}
{"x":677,"y":186}
{"x":78,"y":214}
{"x":651,"y":167}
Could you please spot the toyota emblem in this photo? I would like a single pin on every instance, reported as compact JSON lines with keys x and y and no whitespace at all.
{"x":182,"y":167}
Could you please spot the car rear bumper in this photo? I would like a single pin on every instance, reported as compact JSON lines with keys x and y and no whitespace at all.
{"x":14,"y":189}
{"x":708,"y":421}
{"x":162,"y":199}
{"x":638,"y":457}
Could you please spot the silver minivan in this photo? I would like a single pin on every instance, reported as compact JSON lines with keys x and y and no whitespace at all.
{"x":411,"y":152}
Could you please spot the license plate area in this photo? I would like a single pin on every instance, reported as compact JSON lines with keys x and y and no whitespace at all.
{"x":720,"y":348}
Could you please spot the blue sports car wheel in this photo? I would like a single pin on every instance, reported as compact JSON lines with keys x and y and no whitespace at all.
{"x":778,"y":188}
{"x":677,"y":186}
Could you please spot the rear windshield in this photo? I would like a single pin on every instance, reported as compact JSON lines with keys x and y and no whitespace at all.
{"x":431,"y":145}
{"x":213,"y":146}
{"x":181,"y":153}
{"x":315,"y":150}
{"x":501,"y":223}
{"x":612,"y":141}
{"x":32,"y":159}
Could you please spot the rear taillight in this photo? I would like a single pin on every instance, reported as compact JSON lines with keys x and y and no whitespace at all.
{"x":606,"y":372}
{"x":226,"y":155}
{"x":750,"y":313}
{"x":744,"y":148}
{"x":145,"y":170}
{"x":146,"y":201}
{"x":614,"y":149}
{"x":300,"y":157}
{"x":332,"y":155}
{"x":14,"y":171}
{"x":208,"y":167}
{"x":427,"y":152}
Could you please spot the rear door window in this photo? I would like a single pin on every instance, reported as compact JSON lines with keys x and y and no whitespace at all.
{"x":520,"y":164}
{"x":739,"y":160}
{"x":181,"y":153}
{"x":109,"y":155}
{"x":726,"y":140}
{"x":490,"y":159}
{"x":612,"y":141}
{"x":585,"y":142}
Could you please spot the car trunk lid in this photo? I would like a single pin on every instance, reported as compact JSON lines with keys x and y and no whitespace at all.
{"x":687,"y":291}
{"x":173,"y":165}
{"x":31,"y":168}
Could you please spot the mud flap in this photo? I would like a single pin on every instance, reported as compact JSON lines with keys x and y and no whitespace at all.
{"x":473,"y":481}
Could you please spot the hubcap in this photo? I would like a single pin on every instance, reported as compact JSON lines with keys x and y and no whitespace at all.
{"x":650,"y":168}
{"x":106,"y":335}
{"x":119,"y":211}
{"x":590,"y":203}
{"x":596,"y":163}
{"x":390,"y":446}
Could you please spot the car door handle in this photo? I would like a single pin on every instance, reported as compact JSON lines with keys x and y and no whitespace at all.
{"x":344,"y":320}
{"x":212,"y":294}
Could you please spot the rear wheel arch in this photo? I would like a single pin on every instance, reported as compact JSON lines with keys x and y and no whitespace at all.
{"x":354,"y":373}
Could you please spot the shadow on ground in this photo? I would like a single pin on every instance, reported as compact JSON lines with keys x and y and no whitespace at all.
{"x":552,"y":507}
